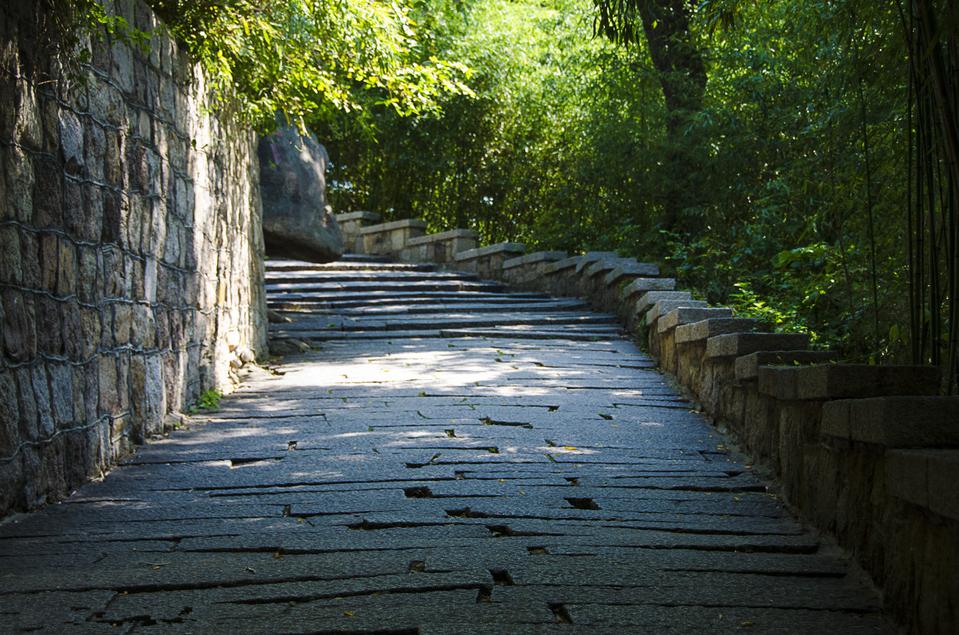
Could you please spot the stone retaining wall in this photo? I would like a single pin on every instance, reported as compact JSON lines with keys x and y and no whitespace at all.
{"x":130,"y":256}
{"x":865,"y":453}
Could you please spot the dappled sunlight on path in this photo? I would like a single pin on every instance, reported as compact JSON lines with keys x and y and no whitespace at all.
{"x":413,"y":481}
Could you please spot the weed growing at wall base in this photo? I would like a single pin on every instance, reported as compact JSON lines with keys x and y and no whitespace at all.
{"x":209,"y":401}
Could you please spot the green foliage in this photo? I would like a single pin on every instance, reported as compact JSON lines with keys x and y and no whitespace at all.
{"x":564,"y":146}
{"x":309,"y":58}
{"x":545,"y":151}
{"x":209,"y":401}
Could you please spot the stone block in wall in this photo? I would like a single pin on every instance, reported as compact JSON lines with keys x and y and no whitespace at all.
{"x":799,"y":440}
{"x":27,"y":126}
{"x":40,"y":385}
{"x":9,"y":417}
{"x":629,"y":271}
{"x":662,"y":332}
{"x":94,"y":144}
{"x":28,"y":415}
{"x":148,"y":402}
{"x":738,"y":344}
{"x":389,"y":239}
{"x":668,"y":314}
{"x":10,"y":257}
{"x":122,"y":323}
{"x":759,"y":425}
{"x":747,"y":366}
{"x":49,"y":326}
{"x":690,"y":343}
{"x":49,"y":256}
{"x":704,"y":329}
{"x":563,"y":276}
{"x":20,"y":181}
{"x":528,"y":271}
{"x":47,"y":193}
{"x":611,"y":294}
{"x":11,"y":475}
{"x":839,"y":381}
{"x":649,"y":297}
{"x":926,"y":478}
{"x":634,"y":311}
{"x":558,"y":274}
{"x":60,"y":381}
{"x":592,"y":280}
{"x":440,"y":248}
{"x":591,"y":257}
{"x":487,"y":262}
{"x":19,"y":325}
{"x":74,"y":214}
{"x":66,"y":268}
{"x":598,"y":262}
{"x":894,"y":422}
{"x":350,"y":225}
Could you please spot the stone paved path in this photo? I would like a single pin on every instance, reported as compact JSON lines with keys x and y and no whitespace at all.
{"x":443,"y":463}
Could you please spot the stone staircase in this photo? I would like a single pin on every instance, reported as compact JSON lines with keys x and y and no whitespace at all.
{"x":362,"y":297}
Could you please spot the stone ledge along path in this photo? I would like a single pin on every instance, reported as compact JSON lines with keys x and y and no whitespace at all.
{"x":449,"y":458}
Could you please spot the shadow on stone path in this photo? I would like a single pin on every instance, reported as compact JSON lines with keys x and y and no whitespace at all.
{"x":422,"y":472}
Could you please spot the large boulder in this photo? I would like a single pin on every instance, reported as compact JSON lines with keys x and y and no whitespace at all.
{"x":297,"y":222}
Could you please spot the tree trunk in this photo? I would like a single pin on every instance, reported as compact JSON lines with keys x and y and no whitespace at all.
{"x":682,"y":75}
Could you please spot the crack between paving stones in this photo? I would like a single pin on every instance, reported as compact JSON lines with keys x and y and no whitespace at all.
{"x":139,"y":589}
{"x":681,"y":605}
{"x":762,"y":572}
{"x":300,"y":599}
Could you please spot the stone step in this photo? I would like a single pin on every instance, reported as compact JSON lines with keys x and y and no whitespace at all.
{"x":592,"y":333}
{"x":358,"y":257}
{"x":574,"y":334}
{"x":404,"y":309}
{"x":439,"y":285}
{"x":353,"y":300}
{"x":366,"y":264}
{"x":364,"y":276}
{"x":449,"y":321}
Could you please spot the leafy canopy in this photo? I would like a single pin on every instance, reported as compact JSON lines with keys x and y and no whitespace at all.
{"x":307,"y":58}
